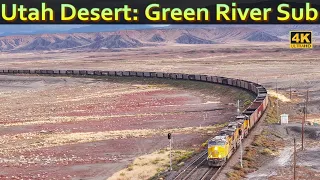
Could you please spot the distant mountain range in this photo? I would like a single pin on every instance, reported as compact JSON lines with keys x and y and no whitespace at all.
{"x":95,"y":37}
{"x":132,"y":38}
{"x":8,"y":30}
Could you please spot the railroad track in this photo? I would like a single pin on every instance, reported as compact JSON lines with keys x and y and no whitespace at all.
{"x":211,"y":174}
{"x":193,"y":166}
{"x":198,"y":169}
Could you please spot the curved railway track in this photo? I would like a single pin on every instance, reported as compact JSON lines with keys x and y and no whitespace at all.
{"x":198,"y":169}
{"x":210,"y":174}
{"x":192,"y":167}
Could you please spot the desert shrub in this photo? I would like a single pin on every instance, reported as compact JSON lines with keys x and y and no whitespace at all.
{"x":266,"y":151}
{"x":156,"y":161}
{"x":130,"y":168}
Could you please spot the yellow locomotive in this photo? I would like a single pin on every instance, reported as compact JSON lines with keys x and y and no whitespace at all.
{"x":221,"y":147}
{"x":218,"y":150}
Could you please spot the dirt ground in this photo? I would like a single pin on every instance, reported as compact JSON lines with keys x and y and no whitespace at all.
{"x":63,"y":127}
{"x":280,"y":166}
{"x":269,"y":152}
{"x":271,"y":64}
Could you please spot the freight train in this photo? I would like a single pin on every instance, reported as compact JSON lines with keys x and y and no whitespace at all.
{"x":222,"y":146}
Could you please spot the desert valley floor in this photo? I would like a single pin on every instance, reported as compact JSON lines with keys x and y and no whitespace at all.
{"x":93,"y":128}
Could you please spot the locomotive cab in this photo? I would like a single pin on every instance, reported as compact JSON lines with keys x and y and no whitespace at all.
{"x":218,"y":151}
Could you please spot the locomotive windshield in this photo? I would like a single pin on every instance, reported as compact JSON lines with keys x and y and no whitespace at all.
{"x":216,"y":143}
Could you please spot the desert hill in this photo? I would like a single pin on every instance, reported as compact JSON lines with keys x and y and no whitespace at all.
{"x":115,"y":41}
{"x":157,"y":38}
{"x":191,"y":39}
{"x":133,"y":38}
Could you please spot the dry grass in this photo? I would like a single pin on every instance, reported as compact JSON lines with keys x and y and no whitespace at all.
{"x":205,"y":88}
{"x":281,"y":97}
{"x":150,"y":165}
{"x":63,"y":119}
{"x":70,"y":138}
{"x":266,"y":151}
{"x":264,"y":145}
{"x":272,"y":112}
{"x":28,"y":141}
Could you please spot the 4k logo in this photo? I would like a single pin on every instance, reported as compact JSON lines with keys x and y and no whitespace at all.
{"x":300,"y":39}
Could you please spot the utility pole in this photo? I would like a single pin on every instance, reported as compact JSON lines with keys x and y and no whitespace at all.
{"x":277,"y":100}
{"x":277,"y":85}
{"x":304,"y":119}
{"x":238,"y":110}
{"x":294,"y":159}
{"x":307,"y":101}
{"x":290,"y":92}
{"x":170,"y":139}
{"x":302,"y":128}
{"x":238,"y":107}
{"x":241,"y":152}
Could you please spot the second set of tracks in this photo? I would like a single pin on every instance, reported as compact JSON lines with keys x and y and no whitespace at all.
{"x":198,"y":169}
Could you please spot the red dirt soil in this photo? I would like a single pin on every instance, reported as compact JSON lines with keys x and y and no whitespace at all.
{"x":68,"y":109}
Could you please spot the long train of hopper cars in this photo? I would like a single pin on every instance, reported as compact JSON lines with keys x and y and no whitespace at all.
{"x":222,"y":146}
